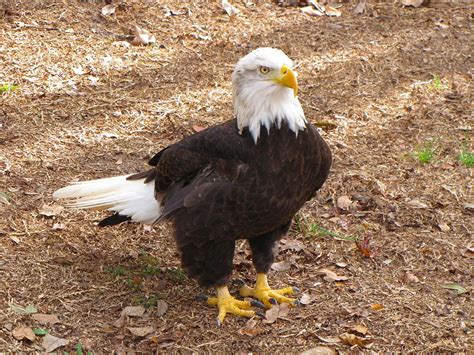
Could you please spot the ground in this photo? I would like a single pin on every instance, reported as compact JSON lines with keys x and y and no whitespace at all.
{"x":391,"y":87}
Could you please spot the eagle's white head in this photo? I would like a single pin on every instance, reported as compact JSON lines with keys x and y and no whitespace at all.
{"x":265,"y":92}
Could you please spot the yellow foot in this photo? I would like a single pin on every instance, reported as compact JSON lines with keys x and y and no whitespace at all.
{"x":264,"y":293}
{"x":229,"y":304}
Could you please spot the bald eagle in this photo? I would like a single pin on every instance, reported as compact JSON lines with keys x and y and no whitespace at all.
{"x":243,"y":179}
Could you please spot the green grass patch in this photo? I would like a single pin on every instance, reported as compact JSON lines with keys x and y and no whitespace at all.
{"x":6,"y":88}
{"x":437,"y":84}
{"x":466,"y":158}
{"x":176,"y":274}
{"x":150,"y":270}
{"x":117,"y":271}
{"x":318,"y":231}
{"x":427,"y":153}
{"x":151,"y":300}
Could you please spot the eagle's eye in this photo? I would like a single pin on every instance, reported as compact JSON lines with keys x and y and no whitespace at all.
{"x":264,"y":70}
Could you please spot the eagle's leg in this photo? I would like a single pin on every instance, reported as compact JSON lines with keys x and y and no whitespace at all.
{"x":263,"y":254}
{"x":229,"y":304}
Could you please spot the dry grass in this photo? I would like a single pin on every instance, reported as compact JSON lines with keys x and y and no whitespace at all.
{"x":370,"y":75}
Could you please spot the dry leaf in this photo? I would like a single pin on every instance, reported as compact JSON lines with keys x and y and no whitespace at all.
{"x":410,"y":278}
{"x":271,"y":315}
{"x":377,"y":307}
{"x":142,"y":37}
{"x":131,"y":311}
{"x":251,"y":329}
{"x":444,"y":227}
{"x":197,"y":128}
{"x":351,"y":339}
{"x":281,"y":266}
{"x":284,"y":310}
{"x":319,"y":350}
{"x":58,"y":226}
{"x":366,"y":247}
{"x":47,"y":319}
{"x":332,"y":276}
{"x":417,"y":204}
{"x":50,"y":211}
{"x":360,"y":8}
{"x":161,"y":308}
{"x":329,"y":340}
{"x":344,"y":202}
{"x":141,"y":331}
{"x":309,"y":10}
{"x":341,"y":265}
{"x":414,"y":3}
{"x":108,"y":10}
{"x":306,"y":299}
{"x":229,"y":9}
{"x":293,"y":245}
{"x":360,"y":329}
{"x":51,"y":343}
{"x":331,"y":11}
{"x":23,"y":332}
{"x":14,"y":239}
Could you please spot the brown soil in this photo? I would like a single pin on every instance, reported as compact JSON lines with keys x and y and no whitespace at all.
{"x":371,"y":76}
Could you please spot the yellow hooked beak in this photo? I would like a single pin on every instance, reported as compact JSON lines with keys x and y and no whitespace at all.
{"x":287,"y":78}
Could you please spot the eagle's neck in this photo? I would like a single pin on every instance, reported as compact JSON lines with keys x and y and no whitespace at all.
{"x":267,"y":108}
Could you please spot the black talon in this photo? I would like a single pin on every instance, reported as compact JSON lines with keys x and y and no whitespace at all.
{"x":296,"y":289}
{"x":297,"y":303}
{"x":273,"y":301}
{"x":257,"y":304}
{"x":260,"y":314}
{"x":201,"y":298}
{"x":219,"y":322}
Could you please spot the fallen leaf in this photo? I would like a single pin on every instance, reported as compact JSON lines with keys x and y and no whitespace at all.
{"x":319,"y":350}
{"x":4,"y":198}
{"x":108,"y":10}
{"x":458,"y":288}
{"x":23,"y":332}
{"x":410,"y":278}
{"x":271,"y":315}
{"x":284,"y":310}
{"x":360,"y":329}
{"x":444,"y":227}
{"x":351,"y":339}
{"x":309,"y":10}
{"x":377,"y":307}
{"x":141,"y":331}
{"x":332,"y":276}
{"x":360,"y":8}
{"x":331,"y":11}
{"x":229,"y":9}
{"x":251,"y":329}
{"x":341,"y":265}
{"x":30,"y":309}
{"x":306,"y":299}
{"x":294,"y":245}
{"x":51,"y":343}
{"x":417,"y":204}
{"x":469,"y":206}
{"x":50,"y":211}
{"x":414,"y":3}
{"x":142,"y":37}
{"x":344,"y":202}
{"x":366,"y":247}
{"x":131,"y":311}
{"x":58,"y":226}
{"x":197,"y":128}
{"x":161,"y":307}
{"x":166,"y":337}
{"x":329,"y":340}
{"x":281,"y":266}
{"x":45,"y":318}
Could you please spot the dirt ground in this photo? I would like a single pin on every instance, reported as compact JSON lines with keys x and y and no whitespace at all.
{"x":390,"y":83}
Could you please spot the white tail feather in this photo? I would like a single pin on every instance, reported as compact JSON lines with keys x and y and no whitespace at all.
{"x":131,"y":198}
